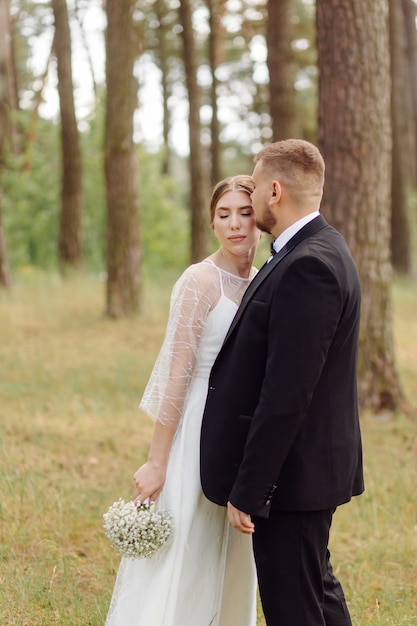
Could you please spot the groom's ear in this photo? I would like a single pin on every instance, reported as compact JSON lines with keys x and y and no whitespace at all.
{"x":276,"y":191}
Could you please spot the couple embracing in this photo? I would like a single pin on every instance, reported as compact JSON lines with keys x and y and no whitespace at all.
{"x":256,"y":439}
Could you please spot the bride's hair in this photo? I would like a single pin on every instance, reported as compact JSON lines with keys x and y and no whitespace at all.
{"x":241,"y":182}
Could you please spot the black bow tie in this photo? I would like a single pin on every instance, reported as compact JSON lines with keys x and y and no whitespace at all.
{"x":273,"y":251}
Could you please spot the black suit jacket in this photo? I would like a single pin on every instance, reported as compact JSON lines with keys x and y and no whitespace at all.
{"x":280,"y":427}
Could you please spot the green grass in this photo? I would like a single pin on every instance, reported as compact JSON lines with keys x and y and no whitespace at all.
{"x":71,"y":437}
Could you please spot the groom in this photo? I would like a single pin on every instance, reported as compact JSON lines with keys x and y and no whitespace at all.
{"x":280,"y":442}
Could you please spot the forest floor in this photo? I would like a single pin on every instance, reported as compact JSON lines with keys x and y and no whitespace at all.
{"x":71,"y":437}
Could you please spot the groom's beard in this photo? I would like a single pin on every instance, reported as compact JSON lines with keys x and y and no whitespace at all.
{"x":266,"y":221}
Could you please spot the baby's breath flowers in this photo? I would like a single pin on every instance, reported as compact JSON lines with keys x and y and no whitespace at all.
{"x":136,"y":531}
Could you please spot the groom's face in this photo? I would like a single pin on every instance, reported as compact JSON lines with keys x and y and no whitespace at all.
{"x":261,"y":198}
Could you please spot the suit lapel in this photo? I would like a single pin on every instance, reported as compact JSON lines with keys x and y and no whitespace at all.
{"x":307,"y":231}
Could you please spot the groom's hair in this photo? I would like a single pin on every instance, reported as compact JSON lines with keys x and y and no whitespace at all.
{"x":296,"y":163}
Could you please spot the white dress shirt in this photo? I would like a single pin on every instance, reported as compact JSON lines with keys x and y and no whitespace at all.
{"x":289,"y":232}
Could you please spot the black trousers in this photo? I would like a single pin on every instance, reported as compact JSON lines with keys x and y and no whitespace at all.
{"x":296,"y":581}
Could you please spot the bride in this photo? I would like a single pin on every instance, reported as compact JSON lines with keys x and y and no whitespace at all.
{"x":205,"y":574}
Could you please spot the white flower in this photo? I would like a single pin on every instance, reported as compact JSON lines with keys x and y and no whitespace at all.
{"x":136,"y":531}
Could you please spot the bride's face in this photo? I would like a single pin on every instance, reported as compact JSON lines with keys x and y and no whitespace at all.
{"x":234,"y":223}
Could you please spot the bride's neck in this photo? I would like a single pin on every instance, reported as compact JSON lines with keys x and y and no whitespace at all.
{"x":239,"y":265}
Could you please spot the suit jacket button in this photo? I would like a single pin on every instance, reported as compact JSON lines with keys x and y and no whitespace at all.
{"x":267,"y":502}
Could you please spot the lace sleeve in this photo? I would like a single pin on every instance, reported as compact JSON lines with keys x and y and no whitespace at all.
{"x":192,"y":298}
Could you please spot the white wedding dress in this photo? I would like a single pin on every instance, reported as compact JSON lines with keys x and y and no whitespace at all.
{"x":205,"y":574}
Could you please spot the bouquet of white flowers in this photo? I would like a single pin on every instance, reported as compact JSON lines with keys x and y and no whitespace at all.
{"x":136,"y":531}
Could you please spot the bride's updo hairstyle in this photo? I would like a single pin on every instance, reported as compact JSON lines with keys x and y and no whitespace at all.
{"x":242,"y":182}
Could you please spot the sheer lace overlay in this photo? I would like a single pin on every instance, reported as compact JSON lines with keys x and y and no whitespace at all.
{"x":194,"y":296}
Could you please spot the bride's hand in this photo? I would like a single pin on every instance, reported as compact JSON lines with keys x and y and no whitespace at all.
{"x":149,"y":480}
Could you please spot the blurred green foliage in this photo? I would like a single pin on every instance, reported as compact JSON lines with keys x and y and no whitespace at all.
{"x":30,"y":187}
{"x":31,"y":204}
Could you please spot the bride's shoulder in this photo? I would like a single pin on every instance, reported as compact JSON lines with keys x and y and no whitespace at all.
{"x":199,"y":276}
{"x":202,"y":271}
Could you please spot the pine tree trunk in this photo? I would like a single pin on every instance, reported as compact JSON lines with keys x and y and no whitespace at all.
{"x":123,"y":250}
{"x":5,"y":117}
{"x":282,"y":70}
{"x":403,"y":143}
{"x":215,"y":9}
{"x":5,"y":277}
{"x":163,"y":56}
{"x":70,"y":233}
{"x":198,"y":196}
{"x":410,"y":14}
{"x":355,"y":138}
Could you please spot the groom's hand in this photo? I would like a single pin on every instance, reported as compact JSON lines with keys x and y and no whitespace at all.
{"x":240,"y":520}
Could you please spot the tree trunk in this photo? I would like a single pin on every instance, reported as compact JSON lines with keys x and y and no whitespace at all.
{"x":355,"y":138}
{"x":70,"y":233}
{"x":8,"y":102}
{"x":5,"y":278}
{"x":198,"y":196}
{"x":5,"y":112}
{"x":403,"y":143}
{"x":215,"y":10}
{"x":163,"y":56}
{"x":123,"y":249}
{"x":410,"y":13}
{"x":282,"y":69}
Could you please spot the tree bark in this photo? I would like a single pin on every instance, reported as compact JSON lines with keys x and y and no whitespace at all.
{"x":123,"y":249}
{"x":70,"y":233}
{"x":162,"y":53}
{"x":215,"y":8}
{"x":5,"y":277}
{"x":355,"y":139}
{"x":5,"y":126}
{"x":198,"y":196}
{"x":403,"y":143}
{"x":410,"y":14}
{"x":282,"y":69}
